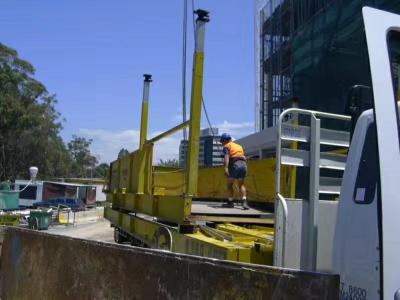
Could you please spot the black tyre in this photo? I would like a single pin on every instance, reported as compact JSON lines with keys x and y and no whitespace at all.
{"x":118,"y":238}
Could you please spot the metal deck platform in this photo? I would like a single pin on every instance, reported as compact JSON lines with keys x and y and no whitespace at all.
{"x":218,"y":212}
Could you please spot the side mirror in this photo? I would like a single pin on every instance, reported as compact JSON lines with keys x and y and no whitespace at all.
{"x":359,"y":99}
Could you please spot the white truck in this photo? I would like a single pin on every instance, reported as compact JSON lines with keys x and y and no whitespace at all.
{"x":367,"y":237}
{"x":357,"y":237}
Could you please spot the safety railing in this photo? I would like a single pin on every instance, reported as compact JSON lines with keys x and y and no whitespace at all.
{"x":283,"y":227}
{"x":289,"y":130}
{"x":303,"y":129}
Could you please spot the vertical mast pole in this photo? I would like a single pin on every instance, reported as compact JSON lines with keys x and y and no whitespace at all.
{"x":145,"y":110}
{"x":184,"y":38}
{"x":195,"y":104}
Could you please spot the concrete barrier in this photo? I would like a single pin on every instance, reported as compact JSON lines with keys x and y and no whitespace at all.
{"x":36,"y":265}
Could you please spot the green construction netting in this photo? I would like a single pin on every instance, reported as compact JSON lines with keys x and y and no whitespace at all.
{"x":314,"y":51}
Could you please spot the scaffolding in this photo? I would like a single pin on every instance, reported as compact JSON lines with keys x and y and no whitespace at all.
{"x":311,"y":53}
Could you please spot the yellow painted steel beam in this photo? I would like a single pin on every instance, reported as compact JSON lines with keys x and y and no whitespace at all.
{"x":168,"y":208}
{"x":241,"y":219}
{"x":163,"y":192}
{"x":87,"y":181}
{"x":195,"y":106}
{"x":248,"y":232}
{"x":143,"y":151}
{"x":144,"y":123}
{"x":142,"y":169}
{"x":145,"y":110}
{"x":212,"y":180}
{"x":133,"y":172}
{"x":253,"y":249}
{"x":168,"y":132}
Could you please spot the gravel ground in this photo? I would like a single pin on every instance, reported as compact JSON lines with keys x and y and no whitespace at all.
{"x":98,"y":231}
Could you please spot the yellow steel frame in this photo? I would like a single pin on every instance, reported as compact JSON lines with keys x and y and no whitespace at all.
{"x":131,"y":176}
{"x":163,"y":189}
{"x":252,"y":245}
{"x":136,"y":186}
{"x":260,"y":183}
{"x":132,"y":188}
{"x":194,"y":127}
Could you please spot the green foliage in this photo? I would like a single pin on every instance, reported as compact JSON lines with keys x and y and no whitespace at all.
{"x":101,"y":171}
{"x":29,"y":123}
{"x":30,"y":128}
{"x":5,"y":186}
{"x":84,"y":162}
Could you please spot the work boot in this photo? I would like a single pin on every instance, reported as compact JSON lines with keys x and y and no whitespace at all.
{"x":230,"y":204}
{"x":245,"y":204}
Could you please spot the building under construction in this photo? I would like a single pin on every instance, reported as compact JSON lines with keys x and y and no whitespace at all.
{"x":309,"y":53}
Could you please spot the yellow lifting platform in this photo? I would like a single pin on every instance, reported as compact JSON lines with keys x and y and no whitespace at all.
{"x":182,"y":210}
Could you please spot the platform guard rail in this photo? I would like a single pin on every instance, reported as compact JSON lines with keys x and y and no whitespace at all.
{"x":307,"y":153}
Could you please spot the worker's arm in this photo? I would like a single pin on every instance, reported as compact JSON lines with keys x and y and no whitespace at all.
{"x":226,"y":161}
{"x":226,"y":164}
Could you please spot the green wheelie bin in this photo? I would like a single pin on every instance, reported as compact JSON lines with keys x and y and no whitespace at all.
{"x":39,"y":219}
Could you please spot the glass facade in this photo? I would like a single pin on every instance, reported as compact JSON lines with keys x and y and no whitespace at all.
{"x":312,"y":52}
{"x":210,"y":149}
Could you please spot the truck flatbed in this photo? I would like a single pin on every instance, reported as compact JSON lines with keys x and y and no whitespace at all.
{"x":218,"y":212}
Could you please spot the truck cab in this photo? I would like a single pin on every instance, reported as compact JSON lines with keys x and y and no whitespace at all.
{"x":367,"y":240}
{"x":355,"y":234}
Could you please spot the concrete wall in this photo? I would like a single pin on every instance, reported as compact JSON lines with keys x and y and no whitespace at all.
{"x":36,"y":265}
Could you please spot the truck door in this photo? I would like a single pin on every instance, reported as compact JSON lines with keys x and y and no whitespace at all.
{"x":383,"y":40}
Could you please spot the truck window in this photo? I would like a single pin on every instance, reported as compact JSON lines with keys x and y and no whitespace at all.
{"x":367,"y":175}
{"x":394,"y":54}
{"x":29,"y":193}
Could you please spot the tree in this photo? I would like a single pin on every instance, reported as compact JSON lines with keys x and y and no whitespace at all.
{"x":173,"y":163}
{"x":29,"y":123}
{"x":101,"y":171}
{"x":83,"y":161}
{"x":123,"y":152}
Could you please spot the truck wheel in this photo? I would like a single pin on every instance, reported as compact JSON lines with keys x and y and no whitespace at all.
{"x":118,"y":238}
{"x":162,"y":239}
{"x":136,"y":242}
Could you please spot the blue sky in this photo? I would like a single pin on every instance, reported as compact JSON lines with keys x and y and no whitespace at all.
{"x":92,"y":55}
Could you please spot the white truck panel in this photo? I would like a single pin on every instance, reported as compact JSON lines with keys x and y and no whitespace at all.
{"x":296,"y":245}
{"x":356,"y":241}
{"x":377,"y":26}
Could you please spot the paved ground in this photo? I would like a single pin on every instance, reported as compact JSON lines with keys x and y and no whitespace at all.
{"x":97,"y":230}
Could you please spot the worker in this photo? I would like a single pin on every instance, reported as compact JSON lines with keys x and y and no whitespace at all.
{"x":235,"y":168}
